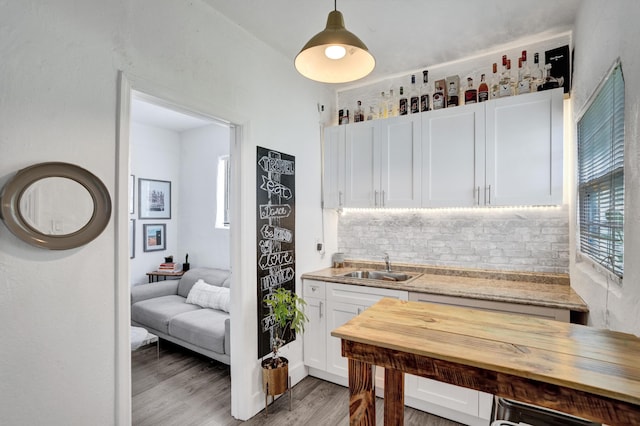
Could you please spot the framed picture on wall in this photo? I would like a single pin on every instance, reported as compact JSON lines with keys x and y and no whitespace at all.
{"x":155,"y":237}
{"x":132,"y":238}
{"x":154,"y":199}
{"x":132,"y":195}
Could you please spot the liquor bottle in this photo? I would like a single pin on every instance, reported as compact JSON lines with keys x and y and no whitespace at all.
{"x":358,"y":114}
{"x":403,"y":103}
{"x":373,"y":114}
{"x":392,"y":105}
{"x":536,"y":73}
{"x":344,"y":116}
{"x":425,"y":92}
{"x":495,"y":82}
{"x":505,"y":79}
{"x":382,"y":106}
{"x":414,"y":97}
{"x":452,"y":94}
{"x":525,"y":75}
{"x":438,"y":96}
{"x":483,"y":90}
{"x":471,"y":94}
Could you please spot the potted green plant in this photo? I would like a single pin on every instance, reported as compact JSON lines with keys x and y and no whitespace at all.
{"x":288,"y":312}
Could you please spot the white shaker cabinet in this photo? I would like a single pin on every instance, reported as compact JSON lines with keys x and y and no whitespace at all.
{"x":504,"y":152}
{"x":343,"y":303}
{"x":362,"y":168}
{"x":315,"y":330}
{"x":383,"y":163}
{"x":524,"y":142}
{"x":453,"y":157}
{"x":401,"y":162}
{"x":333,"y":167}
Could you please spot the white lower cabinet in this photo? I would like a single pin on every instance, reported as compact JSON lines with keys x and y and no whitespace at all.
{"x":330,"y":305}
{"x":315,"y":330}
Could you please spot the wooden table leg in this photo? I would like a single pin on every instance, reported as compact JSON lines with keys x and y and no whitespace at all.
{"x":362,"y":394}
{"x":393,"y":397}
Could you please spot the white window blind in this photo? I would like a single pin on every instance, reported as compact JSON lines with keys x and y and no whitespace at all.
{"x":601,"y":175}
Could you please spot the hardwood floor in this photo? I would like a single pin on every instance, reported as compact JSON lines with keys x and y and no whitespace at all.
{"x":186,"y":389}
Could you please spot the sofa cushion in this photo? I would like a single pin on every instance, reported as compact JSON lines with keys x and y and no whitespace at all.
{"x":157,"y":312}
{"x":211,"y":276}
{"x":209,"y":296}
{"x":203,"y":327}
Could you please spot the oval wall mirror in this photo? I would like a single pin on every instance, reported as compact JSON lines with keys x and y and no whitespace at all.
{"x":55,"y":205}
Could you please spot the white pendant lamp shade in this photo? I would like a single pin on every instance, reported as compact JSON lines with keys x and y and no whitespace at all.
{"x":335,"y":55}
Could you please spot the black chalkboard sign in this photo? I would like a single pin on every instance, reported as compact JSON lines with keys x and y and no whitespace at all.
{"x":275,"y":239}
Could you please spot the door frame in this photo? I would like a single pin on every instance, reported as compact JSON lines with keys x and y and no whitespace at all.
{"x":122,"y":311}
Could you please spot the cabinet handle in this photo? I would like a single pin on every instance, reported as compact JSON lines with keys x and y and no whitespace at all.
{"x":340,"y":198}
{"x":320,"y":310}
{"x":383,"y":203}
{"x":375,"y":198}
{"x":489,"y":195}
{"x":478,"y":194}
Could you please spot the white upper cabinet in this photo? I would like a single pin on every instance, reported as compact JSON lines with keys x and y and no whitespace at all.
{"x":504,"y":152}
{"x":453,"y":157}
{"x":383,"y":163}
{"x":401,"y":162}
{"x":524,"y":137}
{"x":363,"y":164}
{"x":334,"y":167}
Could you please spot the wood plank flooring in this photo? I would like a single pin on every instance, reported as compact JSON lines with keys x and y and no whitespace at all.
{"x":186,"y":389}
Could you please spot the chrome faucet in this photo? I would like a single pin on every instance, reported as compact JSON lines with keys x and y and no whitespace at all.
{"x":387,"y":262}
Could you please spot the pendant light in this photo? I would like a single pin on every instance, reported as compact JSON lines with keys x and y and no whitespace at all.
{"x":334,"y":55}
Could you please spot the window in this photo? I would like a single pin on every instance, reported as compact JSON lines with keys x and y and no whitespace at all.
{"x":601,"y":174}
{"x":223,"y":186}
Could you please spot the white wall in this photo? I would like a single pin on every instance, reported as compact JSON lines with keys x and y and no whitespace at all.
{"x":58,"y":101}
{"x":198,"y":236}
{"x":155,"y":154}
{"x":605,"y":31}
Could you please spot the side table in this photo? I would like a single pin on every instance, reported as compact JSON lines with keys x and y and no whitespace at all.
{"x":155,"y":275}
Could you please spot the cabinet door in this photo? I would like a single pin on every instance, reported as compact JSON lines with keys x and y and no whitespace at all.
{"x":453,"y":157}
{"x":315,"y":351}
{"x":338,"y":314}
{"x":334,"y":167}
{"x":363,"y":164}
{"x":524,"y":149}
{"x":401,"y":162}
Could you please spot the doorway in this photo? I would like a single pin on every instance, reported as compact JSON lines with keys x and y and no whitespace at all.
{"x":128,"y":94}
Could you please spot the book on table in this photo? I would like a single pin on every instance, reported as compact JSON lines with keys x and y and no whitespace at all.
{"x":170,"y":267}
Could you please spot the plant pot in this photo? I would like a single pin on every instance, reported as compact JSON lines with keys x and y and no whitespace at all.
{"x":275,"y":379}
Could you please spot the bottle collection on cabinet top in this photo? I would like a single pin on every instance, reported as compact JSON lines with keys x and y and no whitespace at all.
{"x":449,"y":92}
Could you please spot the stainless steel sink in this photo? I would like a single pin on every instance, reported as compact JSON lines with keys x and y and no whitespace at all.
{"x":379,"y":275}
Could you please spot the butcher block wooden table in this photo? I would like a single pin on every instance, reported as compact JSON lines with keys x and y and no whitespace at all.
{"x":584,"y":371}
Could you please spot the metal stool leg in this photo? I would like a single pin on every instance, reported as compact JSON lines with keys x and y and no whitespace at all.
{"x":290,"y":390}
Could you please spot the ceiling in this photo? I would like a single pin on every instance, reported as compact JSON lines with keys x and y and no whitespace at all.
{"x":404,"y":35}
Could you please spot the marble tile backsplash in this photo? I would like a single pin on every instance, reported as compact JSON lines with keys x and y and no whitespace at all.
{"x":527,"y":239}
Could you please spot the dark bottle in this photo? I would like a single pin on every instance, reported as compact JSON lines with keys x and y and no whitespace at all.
{"x":425,"y":91}
{"x":414,"y":96}
{"x":453,"y":95}
{"x":483,"y":90}
{"x":344,"y":116}
{"x":403,"y":105}
{"x":358,"y":114}
{"x":471,"y":94}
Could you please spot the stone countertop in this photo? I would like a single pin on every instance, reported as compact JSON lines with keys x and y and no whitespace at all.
{"x":538,"y":289}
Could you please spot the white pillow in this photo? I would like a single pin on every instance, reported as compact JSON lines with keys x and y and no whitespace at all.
{"x":209,"y":296}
